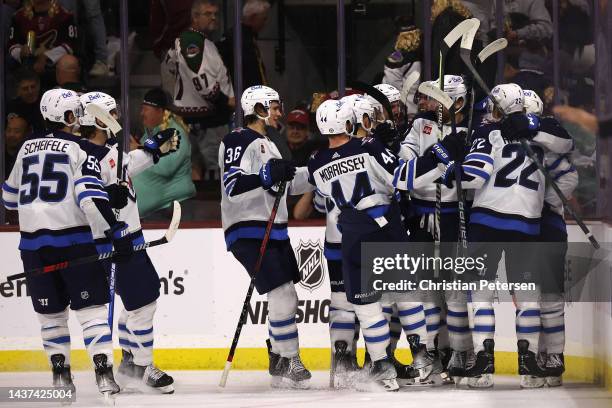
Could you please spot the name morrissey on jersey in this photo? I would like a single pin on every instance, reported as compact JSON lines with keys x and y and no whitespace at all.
{"x":344,"y":166}
{"x":54,"y":145}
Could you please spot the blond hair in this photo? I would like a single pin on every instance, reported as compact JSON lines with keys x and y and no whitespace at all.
{"x":439,"y":6}
{"x":168,"y":116}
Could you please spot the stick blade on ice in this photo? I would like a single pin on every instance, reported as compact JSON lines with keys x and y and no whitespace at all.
{"x":104,"y":117}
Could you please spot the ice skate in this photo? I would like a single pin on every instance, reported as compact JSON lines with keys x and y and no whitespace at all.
{"x":533,"y":375}
{"x":105,"y":379}
{"x":406,"y":374}
{"x":343,"y":366}
{"x":458,"y":363}
{"x":62,"y":378}
{"x":555,"y":367}
{"x":156,"y":379}
{"x":424,"y":362}
{"x":480,"y":371}
{"x":127,"y":367}
{"x":292,"y":373}
{"x":380,"y":375}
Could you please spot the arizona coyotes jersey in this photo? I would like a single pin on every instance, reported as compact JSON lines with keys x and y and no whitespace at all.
{"x":200,"y":72}
{"x":359,"y":174}
{"x":133,"y":163}
{"x":509,"y":187}
{"x":245,"y":204}
{"x":423,"y":134}
{"x":56,"y":31}
{"x":55,"y":177}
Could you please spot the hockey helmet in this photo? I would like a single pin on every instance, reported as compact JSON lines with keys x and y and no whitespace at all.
{"x":533,"y":103}
{"x":55,"y":103}
{"x":332,"y":117}
{"x":261,"y":94}
{"x":509,"y":97}
{"x":101,"y":99}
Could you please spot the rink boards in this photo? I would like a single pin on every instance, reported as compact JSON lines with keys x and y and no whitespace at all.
{"x":203,"y":288}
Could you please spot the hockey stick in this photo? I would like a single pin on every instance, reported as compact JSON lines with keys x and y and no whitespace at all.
{"x":444,"y":100}
{"x":168,"y":236}
{"x":451,"y":38}
{"x":549,"y":180}
{"x":374,"y":93}
{"x":114,"y":126}
{"x":247,"y":300}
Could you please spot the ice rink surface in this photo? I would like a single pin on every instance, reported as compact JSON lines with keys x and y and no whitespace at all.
{"x":251,"y":389}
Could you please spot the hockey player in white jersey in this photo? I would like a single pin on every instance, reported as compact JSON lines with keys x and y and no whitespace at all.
{"x":56,"y":187}
{"x":136,"y":280}
{"x":452,"y":341}
{"x":252,"y":170}
{"x":553,"y":234}
{"x":507,"y":208}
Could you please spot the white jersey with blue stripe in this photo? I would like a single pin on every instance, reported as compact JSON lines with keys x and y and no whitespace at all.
{"x":358,"y":174}
{"x":245,"y":204}
{"x":509,"y":187}
{"x":134,"y":162}
{"x":424,"y":134}
{"x":333,"y":236}
{"x":57,"y":189}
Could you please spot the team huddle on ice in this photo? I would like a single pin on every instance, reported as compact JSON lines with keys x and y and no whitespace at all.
{"x":379,"y":182}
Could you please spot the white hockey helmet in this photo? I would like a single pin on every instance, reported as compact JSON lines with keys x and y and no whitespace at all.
{"x":391,"y":92}
{"x":533,"y":103}
{"x":258,"y":94}
{"x":454,"y":87}
{"x":361,"y":106}
{"x":509,"y":97}
{"x":56,"y":102}
{"x":332,"y":116}
{"x":101,"y":99}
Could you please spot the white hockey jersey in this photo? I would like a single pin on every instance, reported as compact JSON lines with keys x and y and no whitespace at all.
{"x":57,"y":189}
{"x":424,"y":134}
{"x":194,"y":92}
{"x":245,"y":205}
{"x":333,"y":236}
{"x":565,"y":176}
{"x":509,"y":187}
{"x":134,"y":162}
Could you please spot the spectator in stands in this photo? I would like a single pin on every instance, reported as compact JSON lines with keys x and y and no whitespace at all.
{"x":168,"y":18}
{"x":169,"y":180}
{"x":526,"y":21}
{"x":203,"y":94}
{"x":68,"y":74}
{"x":27,"y":101}
{"x":94,"y":22}
{"x":17,"y":128}
{"x":41,"y":33}
{"x":297,"y":134}
{"x":254,"y":18}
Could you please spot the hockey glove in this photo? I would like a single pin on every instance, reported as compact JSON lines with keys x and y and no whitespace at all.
{"x":163,"y":143}
{"x":517,"y":126}
{"x":117,"y":195}
{"x":122,"y":241}
{"x":385,"y":133}
{"x":451,"y":148}
{"x":275,"y":171}
{"x":448,"y":177}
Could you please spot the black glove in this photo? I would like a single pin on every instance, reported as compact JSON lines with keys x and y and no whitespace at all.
{"x":276,"y":170}
{"x":451,"y":148}
{"x":517,"y":126}
{"x":120,"y":236}
{"x":385,"y":133}
{"x":163,"y":143}
{"x":117,"y":195}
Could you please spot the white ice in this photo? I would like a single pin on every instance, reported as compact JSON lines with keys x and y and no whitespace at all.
{"x":251,"y":389}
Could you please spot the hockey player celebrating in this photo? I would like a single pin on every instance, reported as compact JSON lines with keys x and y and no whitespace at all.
{"x":553,"y":234}
{"x":252,"y":169}
{"x":367,"y":214}
{"x":397,"y":106}
{"x":451,"y":306}
{"x":507,"y":208}
{"x":137,"y":281}
{"x":57,"y":189}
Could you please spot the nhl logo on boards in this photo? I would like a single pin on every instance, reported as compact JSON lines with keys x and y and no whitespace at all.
{"x":427,"y":130}
{"x":311,"y":264}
